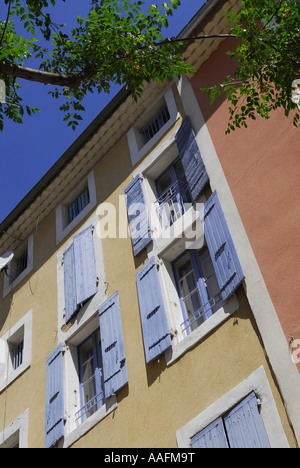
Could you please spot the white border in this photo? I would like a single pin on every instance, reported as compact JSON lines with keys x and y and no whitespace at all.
{"x":256,"y":382}
{"x":19,"y":425}
{"x":62,"y":230}
{"x":136,"y":153}
{"x":7,"y":374}
{"x":9,"y":286}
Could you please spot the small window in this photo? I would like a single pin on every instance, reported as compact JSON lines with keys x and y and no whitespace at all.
{"x":241,"y":427}
{"x":90,"y":376}
{"x":78,"y":204}
{"x":15,"y":350}
{"x":18,"y":265}
{"x":197,"y":288}
{"x":75,"y":206}
{"x":151,"y":125}
{"x":156,"y":123}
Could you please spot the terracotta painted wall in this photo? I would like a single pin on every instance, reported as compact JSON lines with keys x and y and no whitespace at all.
{"x":261,"y":164}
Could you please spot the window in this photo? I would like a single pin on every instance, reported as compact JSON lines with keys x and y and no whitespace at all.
{"x":152,"y":125}
{"x":93,"y":360}
{"x":91,"y":376}
{"x":78,"y":204}
{"x":245,"y":416}
{"x":75,"y":206}
{"x":197,"y":287}
{"x":156,"y":123}
{"x":173,"y":194}
{"x":15,"y":350}
{"x":20,"y":266}
{"x":241,"y":427}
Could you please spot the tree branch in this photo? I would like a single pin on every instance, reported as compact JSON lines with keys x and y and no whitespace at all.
{"x":31,"y":74}
{"x":71,"y":80}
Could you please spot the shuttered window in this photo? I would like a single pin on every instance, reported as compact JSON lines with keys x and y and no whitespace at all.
{"x":138,"y":216}
{"x":241,"y":427}
{"x":102,"y":371}
{"x":191,"y":159}
{"x":112,"y":345}
{"x":213,"y":436}
{"x":154,"y":322}
{"x":223,"y":254}
{"x":54,"y":417}
{"x":197,"y":288}
{"x":174,"y":196}
{"x":80,"y":276}
{"x":91,"y":376}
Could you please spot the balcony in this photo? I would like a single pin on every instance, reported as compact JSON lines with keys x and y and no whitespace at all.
{"x":173,"y":203}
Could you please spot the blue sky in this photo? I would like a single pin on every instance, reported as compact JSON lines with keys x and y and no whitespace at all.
{"x":29,"y":150}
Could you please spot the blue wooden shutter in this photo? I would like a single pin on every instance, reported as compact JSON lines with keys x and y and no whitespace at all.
{"x":224,"y":257}
{"x":244,"y":425}
{"x":54,"y":421}
{"x":70,"y":283}
{"x":112,"y":345}
{"x":137,"y":215}
{"x":213,"y":436}
{"x":192,"y":162}
{"x":85,"y":266}
{"x":155,"y":327}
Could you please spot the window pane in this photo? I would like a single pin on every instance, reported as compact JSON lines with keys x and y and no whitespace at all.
{"x":209,"y":275}
{"x":87,"y":361}
{"x":189,"y":292}
{"x":78,"y":204}
{"x":165,"y":182}
{"x":90,"y":376}
{"x":89,"y":392}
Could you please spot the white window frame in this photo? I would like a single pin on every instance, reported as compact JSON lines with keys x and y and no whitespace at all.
{"x":88,"y":309}
{"x":63,"y":226}
{"x":257,"y":382}
{"x":10,"y":284}
{"x":137,"y":147}
{"x":21,"y":330}
{"x":75,"y":429}
{"x":16,"y":432}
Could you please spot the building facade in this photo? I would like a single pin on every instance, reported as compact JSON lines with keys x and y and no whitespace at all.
{"x":140,"y":296}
